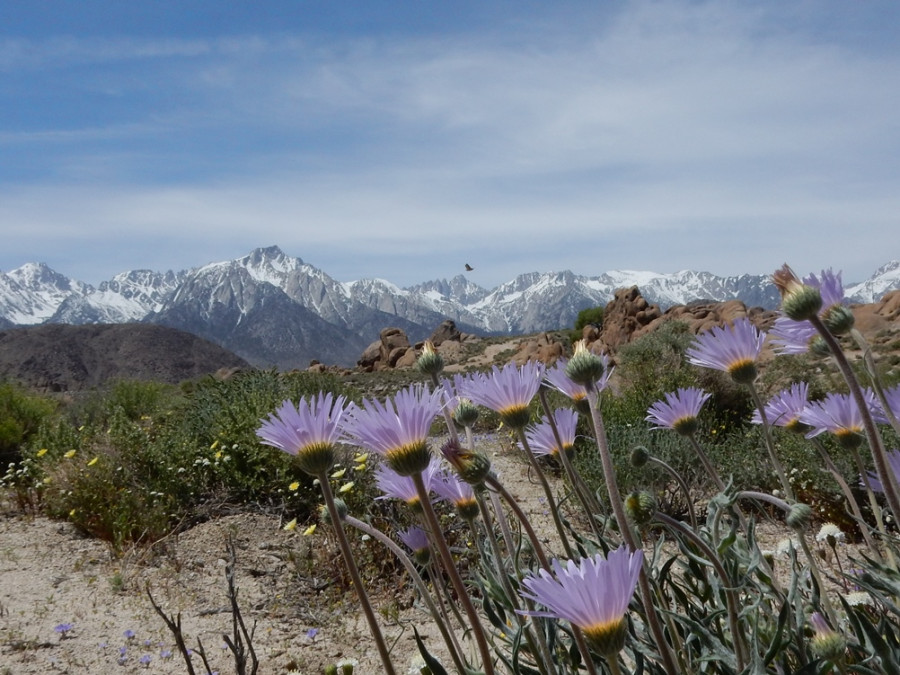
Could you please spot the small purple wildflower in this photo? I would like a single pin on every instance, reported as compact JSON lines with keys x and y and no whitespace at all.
{"x":451,"y":488}
{"x":507,"y":391}
{"x":145,"y":660}
{"x":893,"y":458}
{"x":395,"y":486}
{"x":679,"y":411}
{"x":415,"y":538}
{"x":397,"y":429}
{"x":63,"y":629}
{"x":786,"y":407}
{"x":839,"y":415}
{"x":541,"y":438}
{"x":165,"y":654}
{"x":128,"y":634}
{"x":733,"y":350}
{"x":311,"y":633}
{"x":592,"y":594}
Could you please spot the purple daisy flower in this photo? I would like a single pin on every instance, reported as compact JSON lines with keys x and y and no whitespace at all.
{"x":395,"y":486}
{"x":397,"y":429}
{"x":557,"y":378}
{"x":414,"y":538}
{"x":541,"y":439}
{"x":785,"y":408}
{"x":449,"y":487}
{"x":308,"y":430}
{"x":593,"y":595}
{"x":507,"y":391}
{"x":792,"y":337}
{"x":893,"y":400}
{"x":893,"y":458}
{"x":838,"y":414}
{"x":732,"y":350}
{"x":679,"y":411}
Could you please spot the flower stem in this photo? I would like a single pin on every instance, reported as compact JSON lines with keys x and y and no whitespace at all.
{"x":551,"y":501}
{"x":879,"y":456}
{"x":609,"y":472}
{"x":448,"y":636}
{"x":455,"y":579}
{"x":354,"y":575}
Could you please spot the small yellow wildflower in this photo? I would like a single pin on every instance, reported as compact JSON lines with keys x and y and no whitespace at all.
{"x":290,"y":526}
{"x":81,"y":428}
{"x":72,"y":513}
{"x":294,"y":486}
{"x":70,"y":454}
{"x":339,"y":474}
{"x":215,"y":444}
{"x":93,"y":461}
{"x":309,"y":530}
{"x":218,"y":454}
{"x":42,"y":452}
{"x":48,"y":480}
{"x":361,"y":457}
{"x":361,"y":467}
{"x":346,"y":487}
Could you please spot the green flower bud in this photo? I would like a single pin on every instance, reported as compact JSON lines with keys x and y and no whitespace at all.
{"x":838,"y":319}
{"x":798,"y":301}
{"x":430,"y":362}
{"x":472,"y":467}
{"x":639,"y":456}
{"x":798,"y":517}
{"x":466,"y":413}
{"x":585,"y":368}
{"x":340,"y":505}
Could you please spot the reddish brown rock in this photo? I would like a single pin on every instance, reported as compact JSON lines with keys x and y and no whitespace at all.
{"x":545,"y":348}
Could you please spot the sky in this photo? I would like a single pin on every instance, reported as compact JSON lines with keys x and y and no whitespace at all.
{"x":404,"y":139}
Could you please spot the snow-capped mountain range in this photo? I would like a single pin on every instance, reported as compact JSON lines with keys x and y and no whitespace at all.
{"x":274,"y":309}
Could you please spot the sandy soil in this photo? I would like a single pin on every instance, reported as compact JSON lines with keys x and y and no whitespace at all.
{"x":50,"y":575}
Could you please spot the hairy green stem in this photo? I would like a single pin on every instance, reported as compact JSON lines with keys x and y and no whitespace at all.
{"x":770,"y":443}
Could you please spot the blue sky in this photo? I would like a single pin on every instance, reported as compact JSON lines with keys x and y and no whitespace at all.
{"x":403,"y":139}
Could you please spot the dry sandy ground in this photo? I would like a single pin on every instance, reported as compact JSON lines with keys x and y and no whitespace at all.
{"x":50,"y":575}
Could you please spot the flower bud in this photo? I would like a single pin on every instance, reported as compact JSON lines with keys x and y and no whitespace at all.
{"x":827,"y":643}
{"x":472,"y":467}
{"x":340,"y":505}
{"x":798,"y":301}
{"x":639,"y":456}
{"x":466,"y":413}
{"x":798,"y":517}
{"x":430,"y":362}
{"x":838,"y":320}
{"x":585,"y":368}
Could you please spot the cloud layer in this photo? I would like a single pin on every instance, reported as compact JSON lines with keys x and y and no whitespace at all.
{"x":662,"y":135}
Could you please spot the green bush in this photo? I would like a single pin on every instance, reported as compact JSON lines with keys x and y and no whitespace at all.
{"x":21,"y":415}
{"x":134,"y":461}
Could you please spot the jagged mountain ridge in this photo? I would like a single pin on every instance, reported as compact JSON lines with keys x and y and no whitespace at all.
{"x":275,"y":309}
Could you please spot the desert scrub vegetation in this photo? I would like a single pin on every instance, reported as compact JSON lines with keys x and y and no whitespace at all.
{"x":137,"y":460}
